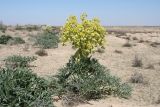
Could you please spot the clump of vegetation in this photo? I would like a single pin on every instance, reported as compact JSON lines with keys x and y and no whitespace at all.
{"x":135,"y":38}
{"x":47,"y":40}
{"x":22,"y":88}
{"x":41,"y":52}
{"x":158,"y":100}
{"x":89,"y":80}
{"x":137,"y":62}
{"x":141,"y":41}
{"x":16,"y":40}
{"x":18,"y":61}
{"x":118,"y":51}
{"x":155,"y":44}
{"x":136,"y":78}
{"x":127,"y":44}
{"x":4,"y":39}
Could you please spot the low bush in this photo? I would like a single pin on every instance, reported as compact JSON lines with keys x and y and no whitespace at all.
{"x":136,"y":78}
{"x":47,"y":40}
{"x":137,"y":62}
{"x":18,"y":61}
{"x":127,"y":44}
{"x":89,"y":80}
{"x":4,"y":39}
{"x":41,"y":52}
{"x":16,"y":40}
{"x":118,"y":51}
{"x":22,"y":88}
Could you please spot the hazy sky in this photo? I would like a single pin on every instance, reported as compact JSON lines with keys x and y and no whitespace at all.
{"x":55,"y":12}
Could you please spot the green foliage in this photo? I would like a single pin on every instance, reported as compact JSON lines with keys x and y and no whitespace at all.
{"x":16,"y":40}
{"x":89,"y":79}
{"x":18,"y":61}
{"x":84,"y":36}
{"x":4,"y":39}
{"x":21,"y":88}
{"x":47,"y":40}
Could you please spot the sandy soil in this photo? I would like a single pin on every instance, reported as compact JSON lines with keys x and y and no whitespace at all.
{"x":144,"y":95}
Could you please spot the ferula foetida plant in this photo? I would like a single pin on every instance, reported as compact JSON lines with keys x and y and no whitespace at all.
{"x":84,"y":36}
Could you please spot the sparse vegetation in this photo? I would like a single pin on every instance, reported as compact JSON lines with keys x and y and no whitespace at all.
{"x":18,"y":61}
{"x":136,"y":78}
{"x":137,"y":62}
{"x":41,"y":52}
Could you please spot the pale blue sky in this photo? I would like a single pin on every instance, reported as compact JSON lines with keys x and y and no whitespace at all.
{"x":55,"y":12}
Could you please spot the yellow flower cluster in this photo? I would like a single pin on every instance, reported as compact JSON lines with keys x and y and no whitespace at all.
{"x":84,"y":36}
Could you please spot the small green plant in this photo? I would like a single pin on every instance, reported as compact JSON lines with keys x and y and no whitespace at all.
{"x":18,"y":61}
{"x":22,"y":88}
{"x":16,"y":40}
{"x":41,"y":52}
{"x":89,"y":80}
{"x":4,"y":39}
{"x":47,"y":40}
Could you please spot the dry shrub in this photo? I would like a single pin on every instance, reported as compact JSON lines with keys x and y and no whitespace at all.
{"x":118,"y":51}
{"x":137,"y":62}
{"x":155,"y":44}
{"x":135,"y":38}
{"x":141,"y":41}
{"x":41,"y":52}
{"x":127,"y":44}
{"x":150,"y":66}
{"x":136,"y":78}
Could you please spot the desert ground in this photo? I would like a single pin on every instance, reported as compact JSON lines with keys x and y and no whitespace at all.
{"x":144,"y":42}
